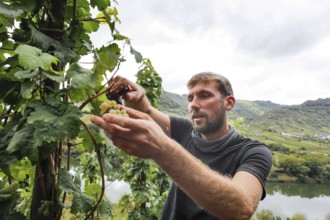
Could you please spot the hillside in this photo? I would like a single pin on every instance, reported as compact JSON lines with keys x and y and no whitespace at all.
{"x":173,"y":104}
{"x":310,"y":118}
{"x":251,"y":110}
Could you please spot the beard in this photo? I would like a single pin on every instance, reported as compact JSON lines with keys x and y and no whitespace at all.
{"x":210,"y":126}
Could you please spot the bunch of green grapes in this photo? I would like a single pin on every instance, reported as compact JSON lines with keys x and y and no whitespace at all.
{"x":44,"y":209}
{"x":112,"y":108}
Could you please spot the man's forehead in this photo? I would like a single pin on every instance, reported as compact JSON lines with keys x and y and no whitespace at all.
{"x":203,"y":86}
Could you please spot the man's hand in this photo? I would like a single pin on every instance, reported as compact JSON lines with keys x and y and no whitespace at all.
{"x":137,"y":134}
{"x":135,"y":95}
{"x":136,"y":98}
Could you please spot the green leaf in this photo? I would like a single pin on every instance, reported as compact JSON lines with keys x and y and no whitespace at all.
{"x":101,"y":4}
{"x":10,"y":11}
{"x":23,"y":143}
{"x":106,"y":210}
{"x":55,"y":121}
{"x":65,"y":55}
{"x":109,"y":56}
{"x":79,"y":36}
{"x":86,"y":139}
{"x":43,"y":41}
{"x":5,"y":22}
{"x":80,"y":95}
{"x":27,"y":88}
{"x":26,"y":74}
{"x":81,"y":77}
{"x":32,"y":58}
{"x":53,"y":76}
{"x":120,"y":37}
{"x":81,"y":203}
{"x":6,"y":134}
{"x":65,"y":181}
{"x":148,"y":78}
{"x":137,"y":55}
{"x":93,"y":190}
{"x":91,"y":26}
{"x":7,"y":47}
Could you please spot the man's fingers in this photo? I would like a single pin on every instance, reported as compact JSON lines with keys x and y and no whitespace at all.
{"x":98,"y":121}
{"x":135,"y":113}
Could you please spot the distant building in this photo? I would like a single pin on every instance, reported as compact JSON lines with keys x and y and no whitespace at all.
{"x":323,"y":136}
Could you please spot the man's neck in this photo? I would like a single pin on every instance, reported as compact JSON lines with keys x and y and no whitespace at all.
{"x":216,"y":135}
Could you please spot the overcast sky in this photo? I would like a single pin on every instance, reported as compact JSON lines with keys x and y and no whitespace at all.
{"x":275,"y":50}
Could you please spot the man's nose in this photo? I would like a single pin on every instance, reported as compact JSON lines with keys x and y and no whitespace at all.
{"x":194,"y":104}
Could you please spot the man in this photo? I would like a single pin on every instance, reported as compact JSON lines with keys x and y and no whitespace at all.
{"x":216,"y":173}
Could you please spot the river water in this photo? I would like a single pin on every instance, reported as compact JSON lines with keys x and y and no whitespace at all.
{"x":288,"y":199}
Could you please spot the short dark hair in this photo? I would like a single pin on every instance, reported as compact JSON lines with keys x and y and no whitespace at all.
{"x":223,"y":83}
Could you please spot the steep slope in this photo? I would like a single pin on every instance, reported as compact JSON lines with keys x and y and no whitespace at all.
{"x":310,"y":118}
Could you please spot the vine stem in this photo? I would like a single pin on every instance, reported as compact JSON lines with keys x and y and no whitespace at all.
{"x":98,"y":152}
{"x":98,"y":93}
{"x":53,"y":174}
{"x":41,"y":181}
{"x":67,"y":167}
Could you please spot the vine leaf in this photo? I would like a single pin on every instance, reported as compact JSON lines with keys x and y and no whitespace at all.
{"x":10,"y":11}
{"x":23,"y":143}
{"x":106,"y":210}
{"x":108,"y":56}
{"x":53,"y":76}
{"x":80,"y":200}
{"x":27,"y":88}
{"x":101,"y":4}
{"x":91,"y":26}
{"x":26,"y":74}
{"x":55,"y":121}
{"x":137,"y":55}
{"x":32,"y":58}
{"x":81,"y":77}
{"x":42,"y":40}
{"x":65,"y":181}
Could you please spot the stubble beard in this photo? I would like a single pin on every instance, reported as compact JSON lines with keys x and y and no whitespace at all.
{"x":210,"y":127}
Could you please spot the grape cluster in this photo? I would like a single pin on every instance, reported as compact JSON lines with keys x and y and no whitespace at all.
{"x":44,"y":209}
{"x":112,"y":108}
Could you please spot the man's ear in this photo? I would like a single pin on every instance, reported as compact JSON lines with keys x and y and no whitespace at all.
{"x":230,"y":102}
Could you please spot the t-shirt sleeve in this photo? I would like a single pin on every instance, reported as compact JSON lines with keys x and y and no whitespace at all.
{"x":257,"y":161}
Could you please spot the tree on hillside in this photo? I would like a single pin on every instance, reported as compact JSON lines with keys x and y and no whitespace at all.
{"x":46,"y":97}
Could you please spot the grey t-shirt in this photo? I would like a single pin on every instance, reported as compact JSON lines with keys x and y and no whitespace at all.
{"x":227,"y":155}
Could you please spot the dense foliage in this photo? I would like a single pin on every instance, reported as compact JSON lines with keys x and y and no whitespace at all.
{"x":46,"y":99}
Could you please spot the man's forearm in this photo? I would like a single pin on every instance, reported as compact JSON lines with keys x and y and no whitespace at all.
{"x":215,"y":193}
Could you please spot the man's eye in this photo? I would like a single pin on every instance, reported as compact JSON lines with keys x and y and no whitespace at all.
{"x":189,"y":98}
{"x":204,"y":96}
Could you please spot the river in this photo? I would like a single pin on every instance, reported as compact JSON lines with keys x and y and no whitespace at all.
{"x":287,"y":199}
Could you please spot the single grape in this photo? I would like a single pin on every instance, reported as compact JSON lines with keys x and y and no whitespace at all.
{"x":104,"y":106}
{"x":46,"y":213}
{"x":113,"y":111}
{"x":40,"y":210}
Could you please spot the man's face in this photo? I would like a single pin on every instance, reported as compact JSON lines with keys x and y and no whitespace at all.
{"x":206,"y":108}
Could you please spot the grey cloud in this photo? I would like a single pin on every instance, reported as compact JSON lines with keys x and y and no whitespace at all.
{"x":187,"y":14}
{"x":278,"y":30}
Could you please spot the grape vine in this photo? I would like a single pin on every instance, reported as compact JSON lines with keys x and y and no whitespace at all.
{"x":46,"y":99}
